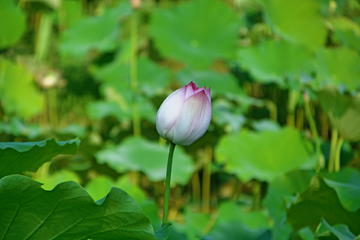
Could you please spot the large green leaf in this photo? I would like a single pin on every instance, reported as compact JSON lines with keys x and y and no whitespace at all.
{"x":67,"y":212}
{"x":322,"y":202}
{"x":13,"y":23}
{"x":280,"y":193}
{"x":101,"y":185}
{"x":18,"y":157}
{"x":265,"y":155}
{"x":343,"y":111}
{"x":17,"y":90}
{"x":346,"y":183}
{"x":138,"y":154}
{"x":339,"y":66}
{"x":195,"y":33}
{"x":274,"y":61}
{"x":298,"y":21}
{"x":99,"y":32}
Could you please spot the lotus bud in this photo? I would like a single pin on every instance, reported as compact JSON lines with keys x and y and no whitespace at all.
{"x":185,"y":115}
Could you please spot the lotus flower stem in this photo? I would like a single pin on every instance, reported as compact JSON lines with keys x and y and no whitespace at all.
{"x":167,"y":184}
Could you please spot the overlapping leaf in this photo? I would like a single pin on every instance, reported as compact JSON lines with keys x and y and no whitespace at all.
{"x":341,"y":231}
{"x":281,"y":191}
{"x":323,"y":203}
{"x":18,"y":157}
{"x":346,"y":183}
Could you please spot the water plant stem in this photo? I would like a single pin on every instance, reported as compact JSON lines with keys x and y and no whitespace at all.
{"x":167,"y":184}
{"x":334,"y":139}
{"x":206,"y":180}
{"x":133,"y":75}
{"x":337,"y":154}
{"x":314,"y":132}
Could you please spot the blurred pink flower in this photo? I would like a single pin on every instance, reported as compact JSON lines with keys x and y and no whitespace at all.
{"x":185,"y":115}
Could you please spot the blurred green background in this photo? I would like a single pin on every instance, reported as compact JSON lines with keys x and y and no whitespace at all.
{"x":284,"y":78}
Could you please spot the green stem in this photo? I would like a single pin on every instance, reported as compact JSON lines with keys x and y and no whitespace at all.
{"x":337,"y":154}
{"x":314,"y":132}
{"x":206,"y":180}
{"x":334,"y":139}
{"x":133,"y":75}
{"x":256,"y":189}
{"x":167,"y":184}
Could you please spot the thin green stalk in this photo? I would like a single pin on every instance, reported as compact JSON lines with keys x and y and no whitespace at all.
{"x":314,"y":131}
{"x":256,"y":189}
{"x":334,"y":139}
{"x":133,"y":75}
{"x":337,"y":154}
{"x":206,"y":180}
{"x":167,"y":184}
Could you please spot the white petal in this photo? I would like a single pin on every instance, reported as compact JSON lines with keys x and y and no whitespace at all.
{"x":194,"y":119}
{"x":169,"y":112}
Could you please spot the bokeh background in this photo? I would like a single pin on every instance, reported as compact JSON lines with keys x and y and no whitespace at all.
{"x":285,"y":131}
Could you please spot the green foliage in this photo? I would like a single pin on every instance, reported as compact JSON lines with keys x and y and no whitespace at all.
{"x":281,"y":192}
{"x":242,"y":156}
{"x":343,"y":111}
{"x":233,"y":222}
{"x":275,"y":61}
{"x":338,"y":67}
{"x":341,"y":231}
{"x":347,"y":32}
{"x":151,"y":77}
{"x":29,"y":156}
{"x":101,"y":185}
{"x":163,"y":232}
{"x":13,"y":23}
{"x":180,"y":34}
{"x":70,"y":208}
{"x":16,"y":88}
{"x":323,"y":203}
{"x":277,"y":69}
{"x":100,"y":33}
{"x":300,"y":22}
{"x":138,"y":154}
{"x":346,"y":184}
